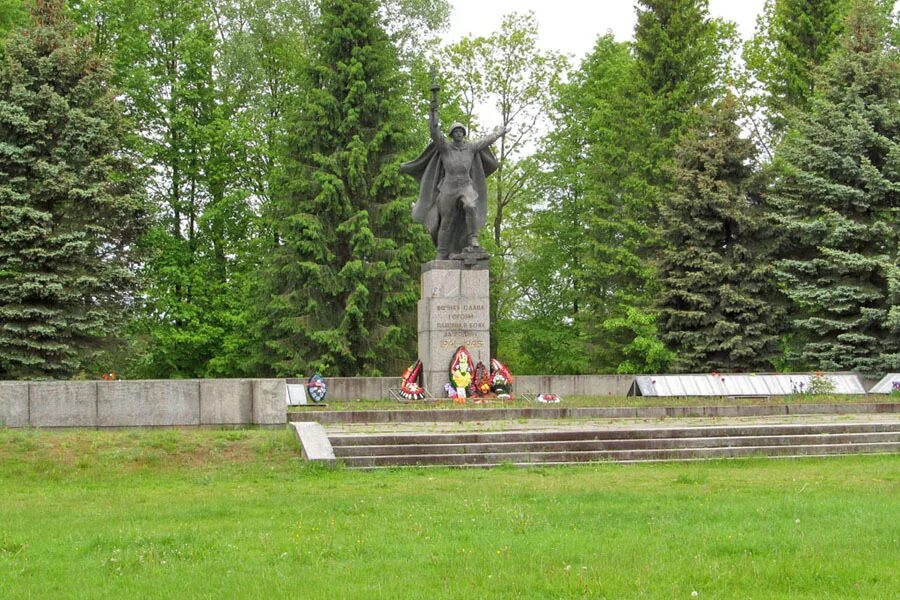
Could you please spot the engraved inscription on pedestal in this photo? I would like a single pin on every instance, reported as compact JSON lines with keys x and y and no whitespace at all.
{"x":454,"y":311}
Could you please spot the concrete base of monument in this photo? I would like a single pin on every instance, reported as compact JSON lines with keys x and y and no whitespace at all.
{"x":454,"y":311}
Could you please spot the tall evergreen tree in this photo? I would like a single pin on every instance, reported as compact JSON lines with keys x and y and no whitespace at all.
{"x":837,"y":197}
{"x":682,"y":57}
{"x":793,"y":38}
{"x":619,"y":199}
{"x":70,"y":210}
{"x":344,"y":267}
{"x":715,"y":279}
{"x":642,"y":99}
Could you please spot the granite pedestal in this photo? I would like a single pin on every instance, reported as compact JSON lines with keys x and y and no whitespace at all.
{"x":454,"y":311}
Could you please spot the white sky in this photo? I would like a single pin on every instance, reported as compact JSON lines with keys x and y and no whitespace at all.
{"x":572,"y":26}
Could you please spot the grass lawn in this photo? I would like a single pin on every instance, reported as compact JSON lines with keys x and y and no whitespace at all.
{"x":236,"y":514}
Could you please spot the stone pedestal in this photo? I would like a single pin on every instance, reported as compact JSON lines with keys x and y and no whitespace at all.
{"x":454,"y":311}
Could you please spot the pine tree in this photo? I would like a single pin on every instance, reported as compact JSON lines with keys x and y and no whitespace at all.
{"x":619,"y":200}
{"x":714,"y":277}
{"x":344,"y":269}
{"x":70,"y":210}
{"x":836,"y":200}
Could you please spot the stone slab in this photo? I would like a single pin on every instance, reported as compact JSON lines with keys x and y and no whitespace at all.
{"x":226,"y":402}
{"x":453,"y":311}
{"x":269,"y":401}
{"x":150,"y":403}
{"x":314,"y":443}
{"x":456,"y":313}
{"x":62,"y":403}
{"x":360,"y":388}
{"x":603,"y":385}
{"x":13,"y":404}
{"x":453,"y":264}
{"x":441,"y":283}
{"x":475,"y":279}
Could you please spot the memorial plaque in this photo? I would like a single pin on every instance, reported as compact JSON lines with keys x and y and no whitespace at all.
{"x":454,"y":311}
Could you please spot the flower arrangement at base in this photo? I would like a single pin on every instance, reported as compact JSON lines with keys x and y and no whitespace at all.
{"x":461,"y":375}
{"x":548,"y":399}
{"x":482,"y":382}
{"x":409,"y":382}
{"x":501,"y":380}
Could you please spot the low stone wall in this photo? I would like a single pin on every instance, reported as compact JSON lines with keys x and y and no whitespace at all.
{"x":212,"y":402}
{"x":145,"y":403}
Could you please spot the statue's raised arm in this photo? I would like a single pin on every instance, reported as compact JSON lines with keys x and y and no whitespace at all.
{"x":452,"y":200}
{"x":486,"y":141}
{"x":434,"y":124}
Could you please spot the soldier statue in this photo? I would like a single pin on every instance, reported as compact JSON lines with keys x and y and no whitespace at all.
{"x":452,"y":201}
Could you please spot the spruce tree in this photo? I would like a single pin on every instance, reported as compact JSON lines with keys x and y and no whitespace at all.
{"x":681,"y":57}
{"x":343,"y":272}
{"x":642,"y":99}
{"x":793,"y":38}
{"x":836,"y":200}
{"x":714,"y":277}
{"x":70,"y":209}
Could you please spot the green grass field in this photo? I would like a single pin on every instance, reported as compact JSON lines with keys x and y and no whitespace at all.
{"x":236,"y":514}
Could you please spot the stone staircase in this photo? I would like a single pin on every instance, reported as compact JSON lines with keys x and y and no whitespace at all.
{"x":611,"y":444}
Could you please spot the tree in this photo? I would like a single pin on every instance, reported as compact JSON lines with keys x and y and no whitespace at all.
{"x":70,"y":202}
{"x":342,"y":276}
{"x":642,"y":99}
{"x":793,"y":38}
{"x":207,"y":83}
{"x":13,"y":14}
{"x":836,"y":198}
{"x":619,"y":199}
{"x":682,"y":58}
{"x":508,"y":71}
{"x":716,"y":284}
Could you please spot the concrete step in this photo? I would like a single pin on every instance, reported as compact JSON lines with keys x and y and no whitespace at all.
{"x":620,"y":444}
{"x":637,"y":433}
{"x":588,"y":445}
{"x":487,"y":413}
{"x":575,"y":457}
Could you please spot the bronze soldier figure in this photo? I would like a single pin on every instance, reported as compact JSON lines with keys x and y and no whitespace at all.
{"x":451,"y":173}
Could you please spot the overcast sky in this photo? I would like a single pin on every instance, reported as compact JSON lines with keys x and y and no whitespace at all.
{"x":572,"y":26}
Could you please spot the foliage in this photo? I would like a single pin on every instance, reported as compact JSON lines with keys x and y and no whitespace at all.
{"x":508,"y":71}
{"x":606,"y":101}
{"x":340,"y":287}
{"x":642,"y":350}
{"x":70,"y":204}
{"x":717,"y":308}
{"x":792,"y":39}
{"x":682,"y":58}
{"x":13,"y":15}
{"x":207,"y":84}
{"x":820,"y":383}
{"x":637,"y":101}
{"x":836,"y":200}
